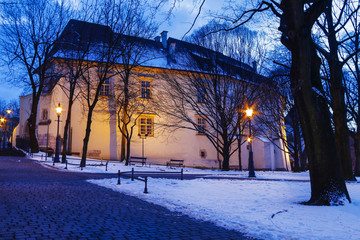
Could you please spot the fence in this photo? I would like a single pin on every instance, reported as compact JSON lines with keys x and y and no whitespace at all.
{"x":41,"y":155}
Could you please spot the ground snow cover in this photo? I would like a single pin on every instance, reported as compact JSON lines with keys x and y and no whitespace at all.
{"x":265,"y":209}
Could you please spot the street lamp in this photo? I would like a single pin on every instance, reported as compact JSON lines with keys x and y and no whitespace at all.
{"x":2,"y":120}
{"x":57,"y":148}
{"x":10,"y":127}
{"x":142,"y":138}
{"x":249,"y":113}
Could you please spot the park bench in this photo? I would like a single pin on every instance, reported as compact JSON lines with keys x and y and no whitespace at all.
{"x":175,"y":163}
{"x":49,"y":151}
{"x":141,"y":160}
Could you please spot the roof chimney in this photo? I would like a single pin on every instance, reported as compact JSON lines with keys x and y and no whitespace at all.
{"x":157,"y":39}
{"x":164,"y":39}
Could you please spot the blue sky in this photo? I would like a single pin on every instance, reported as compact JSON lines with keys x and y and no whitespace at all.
{"x":9,"y":92}
{"x":184,"y":15}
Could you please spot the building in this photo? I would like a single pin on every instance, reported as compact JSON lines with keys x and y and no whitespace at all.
{"x":150,"y":135}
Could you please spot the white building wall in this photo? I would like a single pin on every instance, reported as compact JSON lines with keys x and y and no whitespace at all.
{"x":105,"y":138}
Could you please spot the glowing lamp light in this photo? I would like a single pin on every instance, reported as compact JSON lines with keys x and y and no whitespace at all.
{"x":8,"y":111}
{"x":249,"y":112}
{"x":249,"y":139}
{"x":58,"y":110}
{"x":2,"y":119}
{"x":57,"y":147}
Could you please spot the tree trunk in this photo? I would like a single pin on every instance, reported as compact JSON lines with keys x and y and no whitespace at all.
{"x":66,"y":129}
{"x":123,"y":141}
{"x":341,"y":129}
{"x":303,"y":158}
{"x":357,"y":153}
{"x":125,"y":119}
{"x":338,"y":101}
{"x":34,"y":144}
{"x":127,"y":153}
{"x":296,"y":164}
{"x":86,"y":138}
{"x":226,"y":156}
{"x":239,"y":150}
{"x":327,"y":183}
{"x":297,"y":146}
{"x":357,"y":134}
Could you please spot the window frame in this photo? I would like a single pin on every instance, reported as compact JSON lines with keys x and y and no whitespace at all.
{"x":201,"y":127}
{"x":105,"y":88}
{"x":201,"y":91}
{"x":44,"y":114}
{"x":146,"y":127}
{"x":145,"y":91}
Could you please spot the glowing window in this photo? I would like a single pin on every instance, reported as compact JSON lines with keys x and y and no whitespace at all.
{"x":145,"y":89}
{"x":105,"y":88}
{"x":146,"y":126}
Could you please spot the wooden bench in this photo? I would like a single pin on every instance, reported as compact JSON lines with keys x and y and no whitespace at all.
{"x":141,"y":160}
{"x":175,"y":163}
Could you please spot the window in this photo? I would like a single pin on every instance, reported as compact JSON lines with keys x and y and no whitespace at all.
{"x":200,"y":94}
{"x":105,"y":88}
{"x":145,"y":89}
{"x":201,"y":125}
{"x":44,"y":114}
{"x":203,"y":153}
{"x":146,"y":126}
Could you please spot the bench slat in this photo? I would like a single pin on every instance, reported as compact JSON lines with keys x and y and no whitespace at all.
{"x":137,"y":159}
{"x":175,"y":162}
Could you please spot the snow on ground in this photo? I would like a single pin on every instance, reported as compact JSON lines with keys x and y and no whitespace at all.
{"x":264,"y":209}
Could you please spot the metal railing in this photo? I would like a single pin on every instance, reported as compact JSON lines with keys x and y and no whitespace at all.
{"x":41,"y":155}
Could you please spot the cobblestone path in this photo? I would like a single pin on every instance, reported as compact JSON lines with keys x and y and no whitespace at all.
{"x":41,"y":203}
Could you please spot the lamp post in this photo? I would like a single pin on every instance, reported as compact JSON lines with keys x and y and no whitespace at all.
{"x":10,"y":126}
{"x":57,"y":148}
{"x":142,"y":138}
{"x":2,"y":120}
{"x":249,"y":113}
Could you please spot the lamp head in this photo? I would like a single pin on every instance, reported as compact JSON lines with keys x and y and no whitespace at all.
{"x":2,"y":119}
{"x":249,"y":139}
{"x":249,"y":112}
{"x":8,"y":111}
{"x":58,"y":110}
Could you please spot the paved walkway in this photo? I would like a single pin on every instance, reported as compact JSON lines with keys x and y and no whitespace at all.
{"x":41,"y":203}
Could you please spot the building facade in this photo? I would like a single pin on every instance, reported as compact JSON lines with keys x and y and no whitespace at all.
{"x":150,"y":137}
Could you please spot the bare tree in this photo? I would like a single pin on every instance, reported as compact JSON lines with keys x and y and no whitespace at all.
{"x":135,"y":52}
{"x":129,"y":109}
{"x":243,"y":45}
{"x":280,"y":113}
{"x":210,"y":95}
{"x":333,"y":25}
{"x":93,"y":80}
{"x":29,"y":30}
{"x":297,"y":19}
{"x":115,"y":55}
{"x":352,"y":75}
{"x":72,"y":51}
